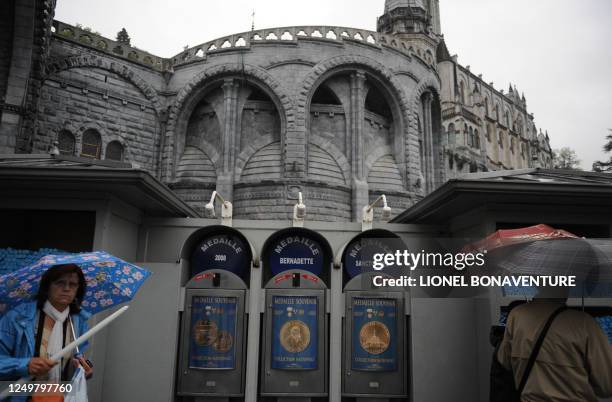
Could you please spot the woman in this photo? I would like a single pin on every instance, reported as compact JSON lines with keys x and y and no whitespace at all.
{"x":32,"y":332}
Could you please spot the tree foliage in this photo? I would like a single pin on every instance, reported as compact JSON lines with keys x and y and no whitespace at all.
{"x":600,"y":166}
{"x":123,"y":37}
{"x":566,"y":158}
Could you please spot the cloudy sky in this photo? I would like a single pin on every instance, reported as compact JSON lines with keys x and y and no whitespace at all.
{"x":557,"y":52}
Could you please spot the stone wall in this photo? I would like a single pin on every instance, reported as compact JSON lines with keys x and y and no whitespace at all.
{"x":79,"y":99}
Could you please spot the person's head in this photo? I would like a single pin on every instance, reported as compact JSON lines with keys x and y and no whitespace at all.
{"x":64,"y":286}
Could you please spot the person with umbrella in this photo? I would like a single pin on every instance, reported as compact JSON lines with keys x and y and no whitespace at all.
{"x":554,"y":353}
{"x":35,"y":330}
{"x":575,"y":359}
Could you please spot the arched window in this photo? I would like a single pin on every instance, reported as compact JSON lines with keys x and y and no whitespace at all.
{"x":114,"y":151}
{"x":471,"y":137}
{"x":497,"y":113}
{"x":92,"y":144}
{"x":512,"y":144}
{"x":66,"y":142}
{"x":501,"y":139}
{"x":488,"y":133}
{"x":451,"y":134}
{"x":507,"y":119}
{"x":476,"y":140}
{"x":462,"y":92}
{"x":486,"y":104}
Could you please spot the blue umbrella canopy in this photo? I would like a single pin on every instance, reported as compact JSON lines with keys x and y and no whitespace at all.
{"x":110,"y":280}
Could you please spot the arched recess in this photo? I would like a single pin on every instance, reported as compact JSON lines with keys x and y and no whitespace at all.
{"x":196,"y":90}
{"x":90,"y":60}
{"x":376,"y":76}
{"x":338,"y":157}
{"x":427,"y":106}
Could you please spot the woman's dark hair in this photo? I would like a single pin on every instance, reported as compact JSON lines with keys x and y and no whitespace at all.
{"x":53,"y":274}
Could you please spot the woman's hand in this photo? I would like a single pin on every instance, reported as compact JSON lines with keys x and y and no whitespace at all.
{"x":80,"y":361}
{"x":39,"y":366}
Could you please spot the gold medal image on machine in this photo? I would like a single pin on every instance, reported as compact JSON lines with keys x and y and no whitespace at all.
{"x":224,"y":342}
{"x":205,"y":332}
{"x":295,"y":336}
{"x":374,"y":337}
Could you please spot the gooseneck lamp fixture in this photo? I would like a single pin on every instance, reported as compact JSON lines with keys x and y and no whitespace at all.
{"x":226,"y":209}
{"x":368,"y":213}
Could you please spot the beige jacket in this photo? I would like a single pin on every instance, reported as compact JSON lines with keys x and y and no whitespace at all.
{"x":574,"y":363}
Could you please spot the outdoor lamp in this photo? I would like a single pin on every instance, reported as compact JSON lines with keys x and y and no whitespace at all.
{"x":226,"y":209}
{"x":299,"y":212}
{"x":368,"y":213}
{"x":54,"y":149}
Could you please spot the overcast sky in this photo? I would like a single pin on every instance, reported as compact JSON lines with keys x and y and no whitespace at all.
{"x":558,"y":52}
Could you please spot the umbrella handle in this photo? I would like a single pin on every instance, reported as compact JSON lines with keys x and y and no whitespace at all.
{"x":73,"y":333}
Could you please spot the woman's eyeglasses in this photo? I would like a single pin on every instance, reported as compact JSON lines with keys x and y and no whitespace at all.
{"x":63,"y":284}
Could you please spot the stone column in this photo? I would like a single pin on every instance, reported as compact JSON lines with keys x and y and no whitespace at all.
{"x":225,"y":179}
{"x":360,"y":196}
{"x":428,"y":146}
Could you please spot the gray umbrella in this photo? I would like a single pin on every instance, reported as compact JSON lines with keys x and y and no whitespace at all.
{"x":589,"y":260}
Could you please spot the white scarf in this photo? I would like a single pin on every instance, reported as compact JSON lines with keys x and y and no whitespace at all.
{"x":56,"y":339}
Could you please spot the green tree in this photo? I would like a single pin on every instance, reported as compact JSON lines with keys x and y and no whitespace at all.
{"x":600,"y":166}
{"x":123,"y":37}
{"x":566,"y":158}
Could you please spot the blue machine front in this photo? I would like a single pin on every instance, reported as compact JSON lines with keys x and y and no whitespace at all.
{"x":374,"y":334}
{"x":294,"y":326}
{"x":213,"y":332}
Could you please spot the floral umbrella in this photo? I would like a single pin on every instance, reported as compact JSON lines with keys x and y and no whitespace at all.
{"x":110,"y":280}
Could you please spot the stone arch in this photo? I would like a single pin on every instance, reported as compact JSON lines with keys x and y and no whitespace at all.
{"x":192,"y":92}
{"x":327,"y":67}
{"x":89,"y":60}
{"x":399,"y":102}
{"x":338,"y":156}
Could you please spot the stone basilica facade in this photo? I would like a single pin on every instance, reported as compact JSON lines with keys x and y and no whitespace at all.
{"x":339,"y":114}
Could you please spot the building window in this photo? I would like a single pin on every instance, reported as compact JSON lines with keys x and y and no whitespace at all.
{"x":497,"y":113}
{"x":114,"y":151}
{"x":501,"y":140}
{"x":488,"y":133}
{"x":66,"y":142}
{"x":507,"y":119}
{"x":476,"y":140}
{"x":92,"y":142}
{"x":512,"y":145}
{"x":451,"y":134}
{"x":462,"y":92}
{"x":470,"y":137}
{"x":486,"y":104}
{"x":523,"y":150}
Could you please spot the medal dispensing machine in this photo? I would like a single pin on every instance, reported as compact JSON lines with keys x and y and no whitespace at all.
{"x":375,"y":330}
{"x":213,"y":330}
{"x":295,"y":333}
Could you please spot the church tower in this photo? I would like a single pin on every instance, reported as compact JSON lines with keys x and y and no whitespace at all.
{"x":409,"y":17}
